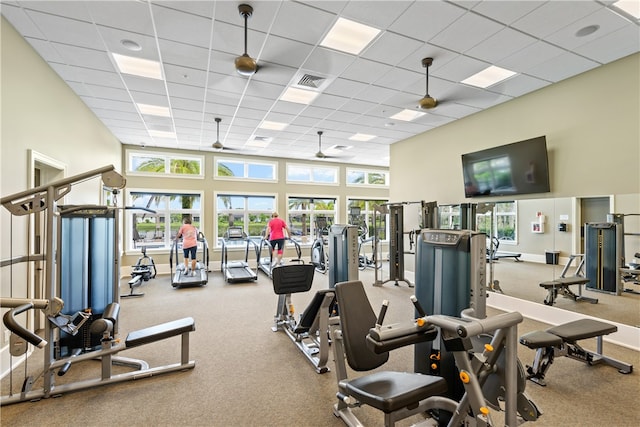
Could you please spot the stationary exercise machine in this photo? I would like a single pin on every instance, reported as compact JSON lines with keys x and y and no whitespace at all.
{"x":143,"y":271}
{"x":181,"y":278}
{"x":427,"y":219}
{"x":264,"y":255}
{"x":78,"y":301}
{"x":343,"y":253}
{"x":490,"y":373}
{"x":628,"y":271}
{"x":236,"y":271}
{"x":310,"y":332}
{"x":603,"y":256}
{"x":318,"y":254}
{"x":562,"y":340}
{"x":450,"y":279}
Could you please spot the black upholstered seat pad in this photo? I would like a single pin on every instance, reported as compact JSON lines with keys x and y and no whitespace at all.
{"x":581,"y":329}
{"x":390,"y":391}
{"x":564,"y":281}
{"x":538,"y":339}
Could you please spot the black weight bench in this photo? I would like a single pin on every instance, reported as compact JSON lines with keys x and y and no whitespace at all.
{"x":561,"y":286}
{"x":163,"y":331}
{"x":562,"y":340}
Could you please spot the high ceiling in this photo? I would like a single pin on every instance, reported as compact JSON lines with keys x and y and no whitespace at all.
{"x":196,"y":43}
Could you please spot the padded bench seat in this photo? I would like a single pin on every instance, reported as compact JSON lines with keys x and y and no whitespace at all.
{"x":582,"y":329}
{"x":564,"y":281}
{"x":160,"y":332}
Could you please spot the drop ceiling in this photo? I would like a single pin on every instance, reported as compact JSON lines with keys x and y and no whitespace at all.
{"x":196,"y":43}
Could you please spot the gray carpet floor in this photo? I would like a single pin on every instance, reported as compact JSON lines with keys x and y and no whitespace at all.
{"x":247,"y":375}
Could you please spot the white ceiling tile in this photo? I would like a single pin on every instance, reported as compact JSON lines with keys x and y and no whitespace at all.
{"x":294,"y":22}
{"x":613,"y":46}
{"x":530,"y":57}
{"x":366,"y":71}
{"x":425,"y":19}
{"x":182,"y":27}
{"x":563,"y":66}
{"x":607,"y":21}
{"x":391,"y":48}
{"x":67,"y":31}
{"x":328,"y":62}
{"x":506,"y":11}
{"x":466,"y":32}
{"x":130,"y":16}
{"x":500,"y":45}
{"x":379,"y":17}
{"x":399,"y":79}
{"x":554,"y":15}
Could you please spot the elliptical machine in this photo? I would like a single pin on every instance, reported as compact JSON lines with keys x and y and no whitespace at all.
{"x":318,"y":254}
{"x":144,"y":270}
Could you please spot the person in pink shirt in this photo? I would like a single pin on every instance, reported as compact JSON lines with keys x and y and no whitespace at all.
{"x":189,"y":235}
{"x":276,"y":235}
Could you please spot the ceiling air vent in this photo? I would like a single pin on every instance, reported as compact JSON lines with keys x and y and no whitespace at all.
{"x":311,"y":81}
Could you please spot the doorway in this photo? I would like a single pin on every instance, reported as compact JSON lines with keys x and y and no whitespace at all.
{"x":592,"y":209}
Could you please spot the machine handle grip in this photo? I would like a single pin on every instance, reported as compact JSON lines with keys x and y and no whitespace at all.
{"x":383,"y":312}
{"x":417,"y":305}
{"x":10,"y":322}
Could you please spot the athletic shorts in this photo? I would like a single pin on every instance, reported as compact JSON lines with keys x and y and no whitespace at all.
{"x":190,"y":252}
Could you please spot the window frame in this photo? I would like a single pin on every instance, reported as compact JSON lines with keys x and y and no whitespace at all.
{"x":130,"y":247}
{"x":494,"y":217}
{"x":246,"y":164}
{"x":245,"y":212}
{"x":312,"y":167}
{"x":368,"y":213}
{"x":312,"y":214}
{"x":366,"y":173}
{"x":130,"y":154}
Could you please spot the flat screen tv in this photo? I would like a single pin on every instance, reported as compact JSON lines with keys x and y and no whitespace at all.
{"x":517,"y":168}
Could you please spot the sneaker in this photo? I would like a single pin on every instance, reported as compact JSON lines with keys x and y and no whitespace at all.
{"x":193,"y":274}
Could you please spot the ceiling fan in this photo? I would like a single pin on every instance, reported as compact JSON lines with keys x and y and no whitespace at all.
{"x":246,"y":65}
{"x":320,"y":154}
{"x":428,"y":101}
{"x":218,"y":146}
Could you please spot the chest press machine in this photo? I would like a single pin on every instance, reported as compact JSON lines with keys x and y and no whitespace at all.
{"x":562,"y":340}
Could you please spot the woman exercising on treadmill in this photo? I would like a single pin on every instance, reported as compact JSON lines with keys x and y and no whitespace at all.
{"x":276,"y":236}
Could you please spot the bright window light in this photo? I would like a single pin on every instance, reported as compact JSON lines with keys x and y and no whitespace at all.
{"x":407,"y":115}
{"x":488,"y":77}
{"x":154,"y":110}
{"x":632,"y":7}
{"x":299,"y":96}
{"x":272,"y":125}
{"x":361,"y":137}
{"x":349,"y":36}
{"x":138,"y":67}
{"x":162,"y":134}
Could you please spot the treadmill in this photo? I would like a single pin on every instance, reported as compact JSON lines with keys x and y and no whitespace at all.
{"x":264,"y":262}
{"x":236,"y":271}
{"x":181,"y":278}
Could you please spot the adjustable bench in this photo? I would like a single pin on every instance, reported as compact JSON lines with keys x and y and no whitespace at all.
{"x":561,"y":286}
{"x":562,"y":283}
{"x":562,"y":340}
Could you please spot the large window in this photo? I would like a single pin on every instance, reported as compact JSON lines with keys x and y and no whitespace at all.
{"x":226,"y":168}
{"x":156,"y":224}
{"x":359,"y":177}
{"x":303,"y":214}
{"x":365,"y":216}
{"x":147,"y":163}
{"x":504,"y":222}
{"x":310,"y":174}
{"x":251,"y":212}
{"x":497,"y":219}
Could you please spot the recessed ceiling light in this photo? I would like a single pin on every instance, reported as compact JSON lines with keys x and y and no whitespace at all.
{"x":488,"y":77}
{"x":131,"y":45}
{"x":162,"y":134}
{"x":407,"y":115}
{"x":361,"y":137}
{"x":154,"y":110}
{"x":299,"y":96}
{"x":632,"y":7}
{"x":585,"y":31}
{"x":137,"y":66}
{"x":272,"y":125}
{"x":349,"y":36}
